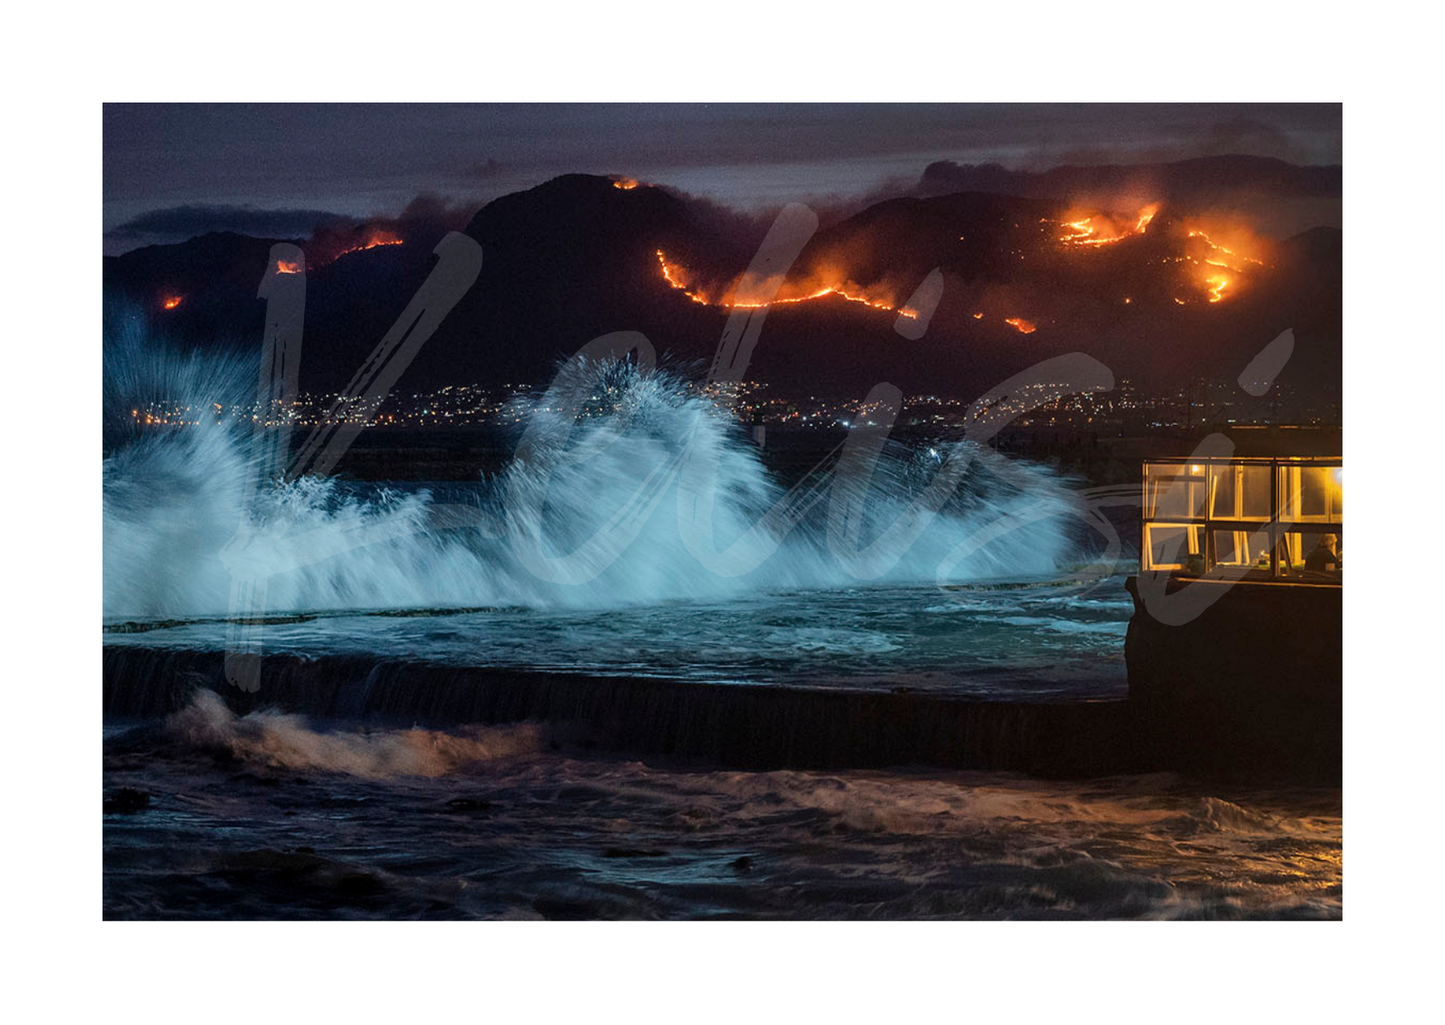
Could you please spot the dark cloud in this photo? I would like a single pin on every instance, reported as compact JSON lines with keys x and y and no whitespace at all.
{"x":355,"y":158}
{"x":177,"y":223}
{"x":422,"y":222}
{"x":1230,"y":135}
{"x":427,"y":216}
{"x":481,"y":170}
{"x":285,"y":169}
{"x":1179,"y":180}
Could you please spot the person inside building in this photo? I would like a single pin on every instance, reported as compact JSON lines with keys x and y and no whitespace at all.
{"x":1324,"y":557}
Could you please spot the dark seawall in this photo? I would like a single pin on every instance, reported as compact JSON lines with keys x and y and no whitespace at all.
{"x":1252,"y":682}
{"x":1249,"y":686}
{"x":750,"y":727}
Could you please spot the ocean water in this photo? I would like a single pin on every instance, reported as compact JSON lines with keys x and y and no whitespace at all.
{"x":639,"y":532}
{"x":643,"y":535}
{"x":1018,"y":640}
{"x":624,"y":489}
{"x":271,"y":816}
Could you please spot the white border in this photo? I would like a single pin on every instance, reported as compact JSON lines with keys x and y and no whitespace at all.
{"x":63,"y":66}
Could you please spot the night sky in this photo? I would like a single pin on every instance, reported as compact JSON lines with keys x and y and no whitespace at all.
{"x":172,"y":171}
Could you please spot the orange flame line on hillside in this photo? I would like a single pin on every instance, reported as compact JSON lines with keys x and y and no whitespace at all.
{"x":379,"y":238}
{"x":677,"y":283}
{"x":1085,"y":234}
{"x":1217,"y":284}
{"x":1221,"y":249}
{"x":671,"y":274}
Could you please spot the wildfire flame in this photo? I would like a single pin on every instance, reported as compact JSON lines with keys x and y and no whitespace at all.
{"x":1084,"y":232}
{"x":675,"y":275}
{"x":170,"y":302}
{"x":1219,"y":267}
{"x":1221,"y":257}
{"x":624,"y":183}
{"x":1207,"y":271}
{"x":379,"y":237}
{"x":674,"y":278}
{"x":1222,"y":249}
{"x":288,"y":267}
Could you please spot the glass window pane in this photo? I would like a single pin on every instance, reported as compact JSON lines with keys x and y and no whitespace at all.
{"x":1215,"y":514}
{"x":1312,"y":556}
{"x":1172,"y":546}
{"x":1224,"y":491}
{"x":1310,"y":493}
{"x":1241,"y":548}
{"x":1239,"y":492}
{"x":1175,"y":490}
{"x":1255,"y":497}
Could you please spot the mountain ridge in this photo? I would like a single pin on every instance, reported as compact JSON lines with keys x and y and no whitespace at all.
{"x":584,"y":255}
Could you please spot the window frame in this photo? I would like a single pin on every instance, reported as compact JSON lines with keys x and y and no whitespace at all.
{"x":1202,"y":472}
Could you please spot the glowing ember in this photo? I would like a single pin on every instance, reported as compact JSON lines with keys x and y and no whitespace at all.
{"x":288,"y":267}
{"x":170,"y":302}
{"x":1024,"y":327}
